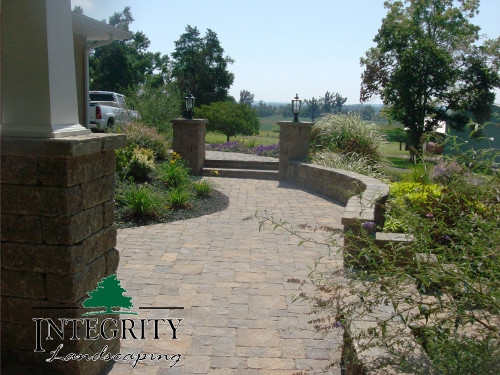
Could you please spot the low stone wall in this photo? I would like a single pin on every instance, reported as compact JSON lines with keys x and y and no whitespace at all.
{"x":363,"y":196}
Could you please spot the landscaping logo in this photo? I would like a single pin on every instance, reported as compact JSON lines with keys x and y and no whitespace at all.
{"x":108,"y":294}
{"x":106,"y":299}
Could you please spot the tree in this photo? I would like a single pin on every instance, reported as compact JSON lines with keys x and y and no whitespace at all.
{"x":246,"y":97}
{"x":313,"y":108}
{"x":332,"y":103}
{"x":199,"y":66}
{"x":426,"y":67}
{"x":126,"y":64}
{"x":108,"y":294}
{"x":230,"y":118}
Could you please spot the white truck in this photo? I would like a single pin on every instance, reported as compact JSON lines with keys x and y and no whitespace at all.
{"x":108,"y":108}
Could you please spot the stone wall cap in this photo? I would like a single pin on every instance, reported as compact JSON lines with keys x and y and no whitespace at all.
{"x":191,"y":121}
{"x":73,"y":146}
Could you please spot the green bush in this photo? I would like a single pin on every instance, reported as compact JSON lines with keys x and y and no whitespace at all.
{"x":143,"y":136}
{"x":347,"y":134}
{"x":141,"y":201}
{"x":134,"y":162}
{"x":141,"y":164}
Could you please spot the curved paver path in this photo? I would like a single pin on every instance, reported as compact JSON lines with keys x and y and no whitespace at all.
{"x":232,"y":281}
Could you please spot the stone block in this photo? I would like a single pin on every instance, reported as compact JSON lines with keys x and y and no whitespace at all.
{"x":21,"y":228}
{"x":39,"y":200}
{"x":19,"y":170}
{"x":22,"y":310}
{"x":68,"y":230}
{"x":108,"y":212}
{"x":98,"y":191}
{"x":23,"y":284}
{"x":71,"y":288}
{"x":61,"y":259}
{"x":112,"y":260}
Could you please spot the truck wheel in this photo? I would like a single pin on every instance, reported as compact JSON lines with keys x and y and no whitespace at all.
{"x":111,"y":122}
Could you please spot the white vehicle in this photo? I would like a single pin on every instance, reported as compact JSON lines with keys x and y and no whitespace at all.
{"x":107,"y":109}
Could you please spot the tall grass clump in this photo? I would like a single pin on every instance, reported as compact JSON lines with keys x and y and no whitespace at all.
{"x":173,"y":173}
{"x":140,"y":201}
{"x":347,"y":134}
{"x":349,"y":162}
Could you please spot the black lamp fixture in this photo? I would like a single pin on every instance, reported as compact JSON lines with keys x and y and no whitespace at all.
{"x":190,"y":106}
{"x":296,"y":103}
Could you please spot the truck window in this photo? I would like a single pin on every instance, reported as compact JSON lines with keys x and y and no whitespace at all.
{"x":98,"y":97}
{"x":121,"y":101}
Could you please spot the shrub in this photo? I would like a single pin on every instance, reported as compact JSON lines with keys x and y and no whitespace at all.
{"x":140,"y":135}
{"x":141,"y":164}
{"x":157,"y":105}
{"x":347,"y":134}
{"x":173,"y":173}
{"x":141,"y":201}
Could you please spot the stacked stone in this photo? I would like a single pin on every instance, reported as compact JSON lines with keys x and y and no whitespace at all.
{"x":295,"y":138}
{"x":58,"y":240}
{"x":189,"y":142}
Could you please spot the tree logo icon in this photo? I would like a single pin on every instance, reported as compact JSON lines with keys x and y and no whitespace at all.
{"x":108,"y":294}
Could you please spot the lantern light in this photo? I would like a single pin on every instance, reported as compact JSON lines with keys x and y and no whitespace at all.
{"x":190,"y":106}
{"x":296,"y":103}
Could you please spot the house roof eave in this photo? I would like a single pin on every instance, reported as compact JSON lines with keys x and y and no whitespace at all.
{"x":97,"y":32}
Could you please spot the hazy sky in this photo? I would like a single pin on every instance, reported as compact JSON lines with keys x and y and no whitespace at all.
{"x":280,"y":47}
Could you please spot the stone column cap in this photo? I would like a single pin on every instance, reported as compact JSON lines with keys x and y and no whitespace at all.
{"x":296,"y":123}
{"x":190,"y":121}
{"x":72,"y":146}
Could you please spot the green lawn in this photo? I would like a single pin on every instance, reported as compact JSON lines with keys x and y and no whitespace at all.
{"x":266,"y":138}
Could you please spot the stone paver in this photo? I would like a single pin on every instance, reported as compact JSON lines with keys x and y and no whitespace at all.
{"x":231,"y":279}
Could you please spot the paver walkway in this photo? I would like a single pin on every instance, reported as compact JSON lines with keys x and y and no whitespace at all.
{"x":231,"y":279}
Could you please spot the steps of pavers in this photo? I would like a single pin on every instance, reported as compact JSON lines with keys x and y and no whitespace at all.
{"x":258,"y":174}
{"x":261,"y":170}
{"x":242,"y":164}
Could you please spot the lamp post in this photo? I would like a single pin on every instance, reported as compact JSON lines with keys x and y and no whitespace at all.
{"x":296,"y":103}
{"x":190,"y":106}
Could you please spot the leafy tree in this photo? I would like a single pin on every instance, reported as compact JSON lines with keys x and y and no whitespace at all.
{"x":246,"y":97}
{"x":126,"y":64}
{"x":157,"y":104}
{"x":332,"y":103}
{"x":313,"y":108}
{"x":426,"y":66}
{"x":230,"y":118}
{"x":199,"y":66}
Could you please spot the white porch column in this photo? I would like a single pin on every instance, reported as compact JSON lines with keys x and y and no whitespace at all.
{"x":38,"y":70}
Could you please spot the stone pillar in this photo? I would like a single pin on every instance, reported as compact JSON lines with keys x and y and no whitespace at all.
{"x":38,"y":76}
{"x":189,"y":142}
{"x":58,"y":240}
{"x":295,"y":138}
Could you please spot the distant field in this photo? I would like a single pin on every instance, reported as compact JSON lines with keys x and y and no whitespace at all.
{"x":262,"y":139}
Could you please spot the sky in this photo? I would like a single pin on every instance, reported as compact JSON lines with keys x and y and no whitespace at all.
{"x":281,"y":48}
